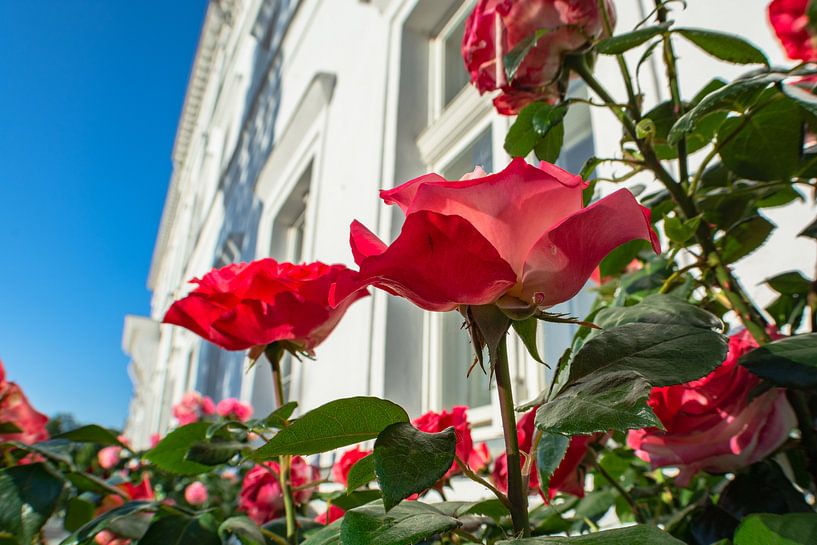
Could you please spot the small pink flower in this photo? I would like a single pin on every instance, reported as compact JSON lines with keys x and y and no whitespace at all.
{"x":196,"y":493}
{"x":154,"y":439}
{"x":192,"y":408}
{"x":108,"y":457}
{"x":231,"y":407}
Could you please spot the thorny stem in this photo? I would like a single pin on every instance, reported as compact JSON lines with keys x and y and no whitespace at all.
{"x":517,"y":496}
{"x":468,"y":472}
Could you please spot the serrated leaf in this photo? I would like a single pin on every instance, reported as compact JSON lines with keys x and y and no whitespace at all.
{"x":790,"y":529}
{"x":406,"y":524}
{"x":29,"y":494}
{"x":664,"y":116}
{"x":526,"y":329}
{"x":177,"y":529}
{"x":727,"y":47}
{"x":170,"y":454}
{"x":615,"y":45}
{"x":789,"y":362}
{"x":362,"y":472}
{"x":409,"y":461}
{"x":792,"y":282}
{"x":612,"y":401}
{"x":243,"y":528}
{"x":552,"y":448}
{"x":92,"y":434}
{"x":336,"y":424}
{"x":658,"y":309}
{"x":744,"y":237}
{"x":632,"y":535}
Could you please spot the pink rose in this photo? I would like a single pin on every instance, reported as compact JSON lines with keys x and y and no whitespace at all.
{"x":231,"y":407}
{"x":519,"y":237}
{"x":330,"y":515}
{"x":261,"y":496}
{"x":710,"y":423}
{"x":108,"y":457}
{"x":496,"y":27}
{"x":16,"y":409}
{"x":154,"y":439}
{"x":106,"y":537}
{"x":434,"y":422}
{"x":340,"y":471}
{"x":196,"y":493}
{"x":791,"y":23}
{"x":192,"y":408}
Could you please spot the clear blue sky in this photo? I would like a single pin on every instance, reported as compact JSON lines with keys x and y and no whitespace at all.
{"x":90,"y":94}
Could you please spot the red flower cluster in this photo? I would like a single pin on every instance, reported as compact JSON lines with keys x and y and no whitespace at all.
{"x":795,"y":31}
{"x":496,"y":27}
{"x":254,"y":304}
{"x":519,"y":237}
{"x":567,"y":478}
{"x":261,"y":496}
{"x":434,"y":422}
{"x":15,"y":409}
{"x":711,"y":424}
{"x":193,"y":407}
{"x":233,"y":408}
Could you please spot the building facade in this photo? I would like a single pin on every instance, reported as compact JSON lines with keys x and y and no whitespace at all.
{"x":296,"y":114}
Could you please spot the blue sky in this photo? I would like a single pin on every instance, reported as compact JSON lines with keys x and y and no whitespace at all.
{"x":90,"y":94}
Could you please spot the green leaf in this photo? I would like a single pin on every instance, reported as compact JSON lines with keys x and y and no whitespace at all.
{"x":328,"y":535}
{"x":767,"y":529}
{"x":727,"y":47}
{"x":522,"y":137}
{"x":658,"y":309}
{"x":789,"y":362}
{"x":171,"y":452}
{"x":664,"y":354}
{"x":513,"y":59}
{"x":336,"y":424}
{"x":87,"y":482}
{"x":792,"y":282}
{"x":93,"y":434}
{"x":735,"y":96}
{"x":406,"y":524}
{"x":29,"y":494}
{"x":9,"y":428}
{"x":633,"y":535}
{"x":747,"y":141}
{"x":490,"y":508}
{"x":787,"y":310}
{"x":761,"y":488}
{"x":243,"y":528}
{"x":279,"y":417}
{"x":356,"y":498}
{"x":107,"y":520}
{"x":615,"y":45}
{"x":177,"y":529}
{"x":78,"y":512}
{"x":526,"y":329}
{"x":663,"y":117}
{"x":408,"y":461}
{"x":597,"y":404}
{"x":549,"y":146}
{"x":213,"y":453}
{"x":548,"y":118}
{"x":362,"y":472}
{"x":552,"y":448}
{"x":679,"y":230}
{"x":744,"y":237}
{"x":618,"y":260}
{"x":805,"y":99}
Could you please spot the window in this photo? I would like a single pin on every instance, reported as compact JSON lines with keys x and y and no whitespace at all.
{"x":449,"y":77}
{"x":230,"y":251}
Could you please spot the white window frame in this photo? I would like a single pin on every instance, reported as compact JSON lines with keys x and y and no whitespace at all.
{"x":437,"y":61}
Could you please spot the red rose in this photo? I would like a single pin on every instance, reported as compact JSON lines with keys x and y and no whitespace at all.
{"x":496,"y":27}
{"x":521,"y":234}
{"x":193,"y":407}
{"x":710,"y":423}
{"x":135,"y":492}
{"x":254,"y":304}
{"x":434,"y":422}
{"x":793,"y":28}
{"x":233,"y":408}
{"x":340,"y":471}
{"x":330,"y":515}
{"x":567,"y":478}
{"x":15,"y":409}
{"x":261,"y":496}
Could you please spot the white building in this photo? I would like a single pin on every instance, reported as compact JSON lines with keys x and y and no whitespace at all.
{"x":296,"y":114}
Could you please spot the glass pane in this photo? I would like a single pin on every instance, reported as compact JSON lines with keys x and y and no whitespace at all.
{"x":455,"y":75}
{"x":480,"y":153}
{"x":456,"y":357}
{"x":572,"y":159}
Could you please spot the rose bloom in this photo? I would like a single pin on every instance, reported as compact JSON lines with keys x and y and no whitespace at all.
{"x":710,"y":423}
{"x":231,"y":407}
{"x":496,"y":27}
{"x":518,"y":238}
{"x":154,"y":439}
{"x":135,"y":492}
{"x":15,"y":409}
{"x":568,"y":477}
{"x":254,"y":304}
{"x":434,"y":422}
{"x":330,"y":515}
{"x":340,"y":471}
{"x":193,"y":407}
{"x":261,"y":496}
{"x":793,"y":28}
{"x":108,"y":457}
{"x":196,"y":493}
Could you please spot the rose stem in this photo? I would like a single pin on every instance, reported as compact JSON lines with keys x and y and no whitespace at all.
{"x":275,"y":356}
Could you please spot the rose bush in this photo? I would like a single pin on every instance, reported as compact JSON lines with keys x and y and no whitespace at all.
{"x":496,"y":27}
{"x":476,"y":458}
{"x":16,"y":410}
{"x":261,"y":495}
{"x":233,"y":408}
{"x":193,"y":407}
{"x":254,"y":304}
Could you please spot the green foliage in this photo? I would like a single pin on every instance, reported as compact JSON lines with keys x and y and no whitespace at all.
{"x":171,"y":452}
{"x":179,"y":529}
{"x":333,"y":425}
{"x":526,"y":329}
{"x":114,"y":518}
{"x":552,"y":448}
{"x":727,"y":47}
{"x":29,"y":494}
{"x":633,"y":535}
{"x":406,"y":524}
{"x":213,"y":452}
{"x":744,"y":238}
{"x":93,"y":434}
{"x":615,"y":45}
{"x":361,"y":473}
{"x":540,"y":128}
{"x":78,"y":512}
{"x":242,"y":528}
{"x":766,"y":529}
{"x":329,"y":535}
{"x":789,"y":362}
{"x":408,"y":461}
{"x":279,"y":417}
